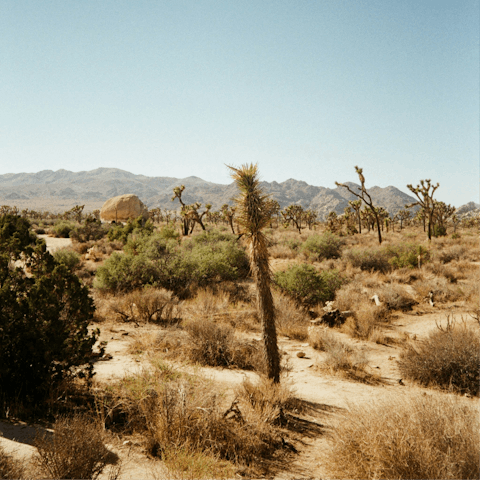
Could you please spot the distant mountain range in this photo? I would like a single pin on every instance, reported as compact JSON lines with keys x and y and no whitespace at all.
{"x":60,"y":190}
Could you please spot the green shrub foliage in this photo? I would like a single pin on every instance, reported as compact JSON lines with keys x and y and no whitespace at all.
{"x":44,"y":317}
{"x":139,"y":226}
{"x":62,"y":228}
{"x":308,"y":286}
{"x":92,"y":229}
{"x":160,"y":260}
{"x":327,"y":245}
{"x":67,"y":257}
{"x":388,"y":258}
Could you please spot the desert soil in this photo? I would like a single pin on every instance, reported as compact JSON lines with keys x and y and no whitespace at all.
{"x":327,"y":395}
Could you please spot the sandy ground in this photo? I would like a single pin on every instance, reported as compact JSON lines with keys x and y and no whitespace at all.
{"x":328,"y":395}
{"x":55,"y":243}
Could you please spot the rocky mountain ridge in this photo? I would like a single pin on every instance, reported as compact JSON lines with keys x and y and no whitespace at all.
{"x":56,"y":191}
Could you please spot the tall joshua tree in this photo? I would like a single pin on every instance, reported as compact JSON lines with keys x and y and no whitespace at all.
{"x":424,"y":192}
{"x":253,"y":215}
{"x":365,"y":197}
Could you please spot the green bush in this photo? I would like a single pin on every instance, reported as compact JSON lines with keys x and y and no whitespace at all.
{"x":327,"y":245}
{"x":448,"y":359}
{"x":387,"y":258}
{"x":208,"y":258}
{"x":62,"y":228}
{"x":405,"y":255}
{"x":307,"y":286}
{"x":139,"y":226}
{"x":44,"y":318}
{"x":91,"y":230}
{"x":67,"y":257}
{"x":369,"y":259}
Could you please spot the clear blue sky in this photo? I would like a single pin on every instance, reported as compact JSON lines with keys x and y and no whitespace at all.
{"x":307,"y":89}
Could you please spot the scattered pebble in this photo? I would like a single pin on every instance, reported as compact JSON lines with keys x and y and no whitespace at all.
{"x":300,"y":354}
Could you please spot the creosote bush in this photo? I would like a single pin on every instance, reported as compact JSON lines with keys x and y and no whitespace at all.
{"x":447,"y":358}
{"x":62,"y":228}
{"x":308,"y":286}
{"x":159,"y":260}
{"x":407,"y":437}
{"x":325,"y":246}
{"x":67,"y":257}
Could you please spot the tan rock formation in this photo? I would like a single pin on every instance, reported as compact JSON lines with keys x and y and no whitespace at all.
{"x":122,"y":208}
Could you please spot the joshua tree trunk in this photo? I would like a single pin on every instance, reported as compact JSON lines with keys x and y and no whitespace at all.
{"x":253,"y":216}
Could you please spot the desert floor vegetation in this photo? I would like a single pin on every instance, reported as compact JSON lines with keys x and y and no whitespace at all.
{"x":378,"y":347}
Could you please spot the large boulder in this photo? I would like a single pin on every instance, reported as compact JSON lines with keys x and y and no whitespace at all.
{"x":123,"y":208}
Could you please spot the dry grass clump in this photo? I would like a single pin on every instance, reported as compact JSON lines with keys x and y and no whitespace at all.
{"x":264,"y":403}
{"x":75,"y":450}
{"x":396,"y":297}
{"x":448,"y":358}
{"x":291,"y":320}
{"x":341,"y":358}
{"x":442,"y":289}
{"x":216,"y":345}
{"x":175,"y":411}
{"x":367,"y":318}
{"x":10,"y":468}
{"x":282,"y":251}
{"x":407,"y":437}
{"x":148,"y":305}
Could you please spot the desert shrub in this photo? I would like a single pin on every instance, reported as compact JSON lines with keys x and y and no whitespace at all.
{"x":67,"y":257}
{"x":290,"y":319}
{"x":395,"y":297}
{"x":350,"y":295}
{"x":91,"y":230}
{"x":306,"y":285}
{"x":405,"y":255}
{"x":366,"y":319}
{"x":455,"y":252}
{"x":439,"y":231}
{"x":407,"y":437}
{"x":443,"y":290}
{"x":10,"y":468}
{"x":75,"y":450}
{"x":369,"y":259}
{"x":39,"y":230}
{"x":148,"y":305}
{"x":139,"y":226}
{"x":340,"y":355}
{"x":447,"y":358}
{"x":123,"y":273}
{"x":215,"y":345}
{"x":384,"y":259}
{"x":62,"y":228}
{"x":327,"y":245}
{"x":175,"y":410}
{"x":44,"y":319}
{"x":154,"y":260}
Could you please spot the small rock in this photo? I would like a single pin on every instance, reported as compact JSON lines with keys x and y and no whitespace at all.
{"x":127,"y":442}
{"x":300,"y":354}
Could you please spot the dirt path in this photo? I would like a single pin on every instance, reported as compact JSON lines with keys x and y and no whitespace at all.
{"x":54,"y":243}
{"x":328,"y":395}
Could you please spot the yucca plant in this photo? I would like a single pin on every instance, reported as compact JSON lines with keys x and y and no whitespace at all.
{"x":253,"y":215}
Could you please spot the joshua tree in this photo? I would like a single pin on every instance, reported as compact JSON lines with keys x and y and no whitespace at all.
{"x":425,"y":200}
{"x":403,"y":215}
{"x":228,"y":213}
{"x":253,"y":215}
{"x":294,"y":214}
{"x":365,"y":197}
{"x":442,"y":213}
{"x":190,"y":212}
{"x":357,"y":205}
